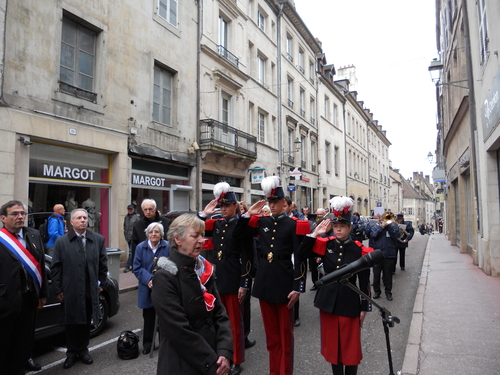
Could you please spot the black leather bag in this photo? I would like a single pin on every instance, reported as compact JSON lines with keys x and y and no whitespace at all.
{"x":128,"y":345}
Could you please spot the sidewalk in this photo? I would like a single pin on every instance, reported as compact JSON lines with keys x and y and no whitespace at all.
{"x":455,"y":327}
{"x":127,"y":281}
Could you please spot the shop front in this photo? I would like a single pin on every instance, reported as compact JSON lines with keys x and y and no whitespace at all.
{"x":166,"y":183}
{"x":74,"y":177}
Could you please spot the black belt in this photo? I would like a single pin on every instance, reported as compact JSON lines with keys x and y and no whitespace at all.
{"x":271,"y":256}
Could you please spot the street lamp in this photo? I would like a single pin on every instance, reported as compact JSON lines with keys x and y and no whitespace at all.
{"x":435,"y":70}
{"x":297,"y":144}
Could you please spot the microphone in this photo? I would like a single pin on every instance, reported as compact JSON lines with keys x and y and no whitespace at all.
{"x":366,"y":261}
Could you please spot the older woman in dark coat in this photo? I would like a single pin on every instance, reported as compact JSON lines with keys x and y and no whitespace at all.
{"x":195,"y":332}
{"x":146,"y":256}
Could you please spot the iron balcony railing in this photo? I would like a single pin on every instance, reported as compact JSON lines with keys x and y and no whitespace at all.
{"x":215,"y":135}
{"x":228,"y":55}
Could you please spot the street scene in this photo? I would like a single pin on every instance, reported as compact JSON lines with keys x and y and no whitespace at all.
{"x":307,"y":360}
{"x":325,"y":174}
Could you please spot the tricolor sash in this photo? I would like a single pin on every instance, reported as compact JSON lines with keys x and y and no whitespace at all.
{"x":204,"y":270}
{"x":23,"y":255}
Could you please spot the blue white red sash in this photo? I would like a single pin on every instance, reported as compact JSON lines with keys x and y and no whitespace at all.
{"x":25,"y":257}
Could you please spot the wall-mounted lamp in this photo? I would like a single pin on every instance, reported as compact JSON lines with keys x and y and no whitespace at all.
{"x":430,"y":158}
{"x":297,"y":144}
{"x":435,"y":70}
{"x":195,"y":146}
{"x":24,"y":141}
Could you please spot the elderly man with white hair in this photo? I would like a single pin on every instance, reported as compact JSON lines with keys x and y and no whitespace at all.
{"x":150,"y":215}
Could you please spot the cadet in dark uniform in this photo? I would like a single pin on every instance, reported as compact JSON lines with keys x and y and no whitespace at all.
{"x":342,"y":310}
{"x":231,"y":266}
{"x":278,"y":281}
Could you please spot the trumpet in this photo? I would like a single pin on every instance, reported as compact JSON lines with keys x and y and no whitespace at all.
{"x":388,"y":217}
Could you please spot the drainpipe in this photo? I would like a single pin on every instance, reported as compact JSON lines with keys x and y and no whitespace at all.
{"x":198,"y":168}
{"x":280,"y":125}
{"x":473,"y":130}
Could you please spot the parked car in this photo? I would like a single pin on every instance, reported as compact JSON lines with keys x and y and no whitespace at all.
{"x":49,"y":318}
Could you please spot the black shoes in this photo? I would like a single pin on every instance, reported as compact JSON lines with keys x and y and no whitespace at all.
{"x":31,"y":365}
{"x":297,"y":323}
{"x":69,"y":362}
{"x":127,"y":269}
{"x":314,"y":287}
{"x":236,"y":370}
{"x":376,"y":295}
{"x":86,"y":358}
{"x":249,"y":343}
{"x":402,"y":268}
{"x":146,"y":351}
{"x":389,"y":296}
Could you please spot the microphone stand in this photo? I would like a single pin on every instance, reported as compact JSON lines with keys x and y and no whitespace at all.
{"x":388,"y":319}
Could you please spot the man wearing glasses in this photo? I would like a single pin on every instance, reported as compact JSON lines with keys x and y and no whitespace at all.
{"x":23,"y":286}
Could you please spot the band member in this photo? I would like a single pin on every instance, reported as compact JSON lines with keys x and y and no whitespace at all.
{"x":384,"y":236}
{"x":278,"y":281}
{"x":231,"y":268}
{"x":342,"y":310}
{"x":403,"y":240}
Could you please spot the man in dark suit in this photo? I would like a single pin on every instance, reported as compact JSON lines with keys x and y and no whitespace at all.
{"x":23,"y":286}
{"x":79,"y":274}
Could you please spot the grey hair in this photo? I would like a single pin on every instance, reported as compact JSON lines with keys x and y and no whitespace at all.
{"x":147,"y":200}
{"x":73,"y":213}
{"x":181,"y":225}
{"x":154,"y":225}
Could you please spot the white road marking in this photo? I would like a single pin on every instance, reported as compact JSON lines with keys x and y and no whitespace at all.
{"x":54,"y":364}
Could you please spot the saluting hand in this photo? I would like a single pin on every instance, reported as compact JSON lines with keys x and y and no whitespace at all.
{"x":256,"y":207}
{"x":210,"y":208}
{"x":321,"y":228}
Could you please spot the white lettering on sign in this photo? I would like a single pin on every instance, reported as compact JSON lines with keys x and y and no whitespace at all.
{"x":69,"y":173}
{"x":148,"y":180}
{"x":489,"y":105}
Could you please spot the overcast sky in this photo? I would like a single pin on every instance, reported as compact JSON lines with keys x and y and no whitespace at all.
{"x":391,"y":43}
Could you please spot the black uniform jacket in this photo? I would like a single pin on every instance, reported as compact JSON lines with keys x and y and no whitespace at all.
{"x":336,"y":298}
{"x":280,"y":238}
{"x":232,"y":266}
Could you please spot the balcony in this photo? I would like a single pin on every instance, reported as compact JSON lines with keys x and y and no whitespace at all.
{"x":313,"y":120}
{"x":219,"y":137}
{"x":313,"y":168}
{"x":290,"y":103}
{"x":303,"y":164}
{"x":291,"y":159}
{"x":228,"y":55}
{"x":303,"y":113}
{"x":289,"y":57}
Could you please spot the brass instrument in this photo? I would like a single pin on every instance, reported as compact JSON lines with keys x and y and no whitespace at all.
{"x":388,"y":217}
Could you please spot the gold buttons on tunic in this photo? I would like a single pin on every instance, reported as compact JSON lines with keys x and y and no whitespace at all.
{"x":338,"y":260}
{"x":272,"y":238}
{"x":275,"y":223}
{"x":272,"y":245}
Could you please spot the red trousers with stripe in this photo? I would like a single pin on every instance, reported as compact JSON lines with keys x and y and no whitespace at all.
{"x":235,"y":313}
{"x":278,"y":325}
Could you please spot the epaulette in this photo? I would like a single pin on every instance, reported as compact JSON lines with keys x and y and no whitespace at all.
{"x":302,"y":227}
{"x":320,"y":244}
{"x":209,"y":224}
{"x":364,"y":249}
{"x":254,"y":221}
{"x":208,"y":244}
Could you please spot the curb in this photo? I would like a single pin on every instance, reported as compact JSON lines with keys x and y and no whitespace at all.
{"x":127,"y":289}
{"x":412,"y":353}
